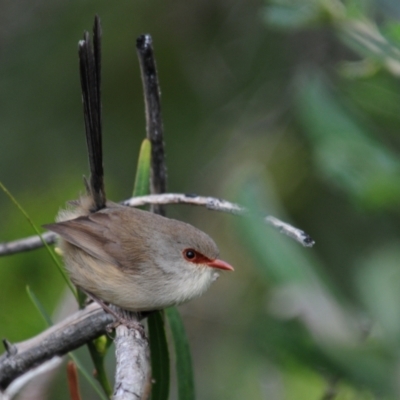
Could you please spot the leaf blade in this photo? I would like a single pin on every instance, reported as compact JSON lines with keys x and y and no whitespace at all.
{"x":39,"y":306}
{"x":184,"y":369}
{"x":142,"y":179}
{"x":159,"y":355}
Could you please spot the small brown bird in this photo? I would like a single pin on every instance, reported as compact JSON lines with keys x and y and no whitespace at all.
{"x":134,"y":259}
{"x":131,"y":258}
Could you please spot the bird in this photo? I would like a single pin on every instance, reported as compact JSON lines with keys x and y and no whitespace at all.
{"x":119,"y":255}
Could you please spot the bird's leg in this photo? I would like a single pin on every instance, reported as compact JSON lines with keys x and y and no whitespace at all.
{"x":119,"y":319}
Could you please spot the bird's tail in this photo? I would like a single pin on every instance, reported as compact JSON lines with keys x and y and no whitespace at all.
{"x":90,"y":72}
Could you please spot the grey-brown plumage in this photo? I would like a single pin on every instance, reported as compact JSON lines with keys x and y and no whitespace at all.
{"x":133,"y":258}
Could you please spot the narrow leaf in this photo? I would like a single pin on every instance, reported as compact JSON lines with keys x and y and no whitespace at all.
{"x":98,"y":352}
{"x":142,"y":179}
{"x":159,"y":356}
{"x":39,"y":306}
{"x":184,"y":370}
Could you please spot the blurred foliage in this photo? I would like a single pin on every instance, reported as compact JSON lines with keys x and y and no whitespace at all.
{"x":290,"y":107}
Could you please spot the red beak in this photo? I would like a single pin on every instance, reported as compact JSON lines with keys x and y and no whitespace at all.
{"x":220,"y":264}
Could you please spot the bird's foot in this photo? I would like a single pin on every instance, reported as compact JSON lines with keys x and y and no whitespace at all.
{"x":121,"y":316}
{"x":130,"y":324}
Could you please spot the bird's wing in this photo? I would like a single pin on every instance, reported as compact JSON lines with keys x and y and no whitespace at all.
{"x":104,"y":236}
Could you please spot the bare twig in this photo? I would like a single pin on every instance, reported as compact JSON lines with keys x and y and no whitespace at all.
{"x":212,"y":203}
{"x":132,"y":372}
{"x":154,"y":125}
{"x":29,"y":243}
{"x":69,"y":334}
{"x":289,"y":230}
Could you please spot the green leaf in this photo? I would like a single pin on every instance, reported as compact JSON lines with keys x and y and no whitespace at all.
{"x":39,"y":306}
{"x":81,"y":297}
{"x":159,"y":356}
{"x":184,"y":370}
{"x":98,"y":352}
{"x":142,"y":179}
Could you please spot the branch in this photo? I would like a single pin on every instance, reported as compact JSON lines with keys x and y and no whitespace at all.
{"x":69,"y":334}
{"x":132,"y":371}
{"x":211,"y":203}
{"x":29,"y":243}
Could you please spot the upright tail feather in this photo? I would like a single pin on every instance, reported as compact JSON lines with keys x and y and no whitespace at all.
{"x":90,"y":72}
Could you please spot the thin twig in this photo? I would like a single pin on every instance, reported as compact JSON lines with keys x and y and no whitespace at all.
{"x":212,"y":203}
{"x":26,"y":244}
{"x":289,"y":230}
{"x":154,"y":125}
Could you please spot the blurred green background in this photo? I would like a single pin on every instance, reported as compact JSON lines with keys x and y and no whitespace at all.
{"x":290,"y":107}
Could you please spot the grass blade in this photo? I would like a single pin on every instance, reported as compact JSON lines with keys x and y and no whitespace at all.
{"x":39,"y":306}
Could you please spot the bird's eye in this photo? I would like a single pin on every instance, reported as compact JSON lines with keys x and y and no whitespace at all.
{"x":189,"y":254}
